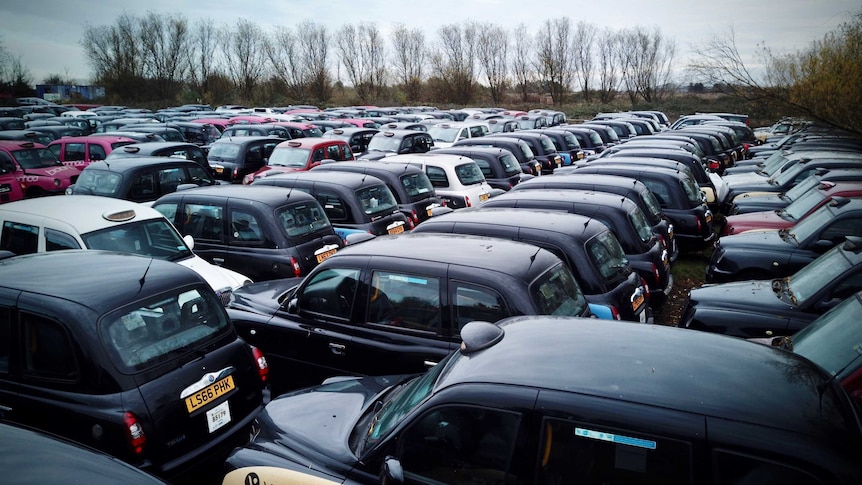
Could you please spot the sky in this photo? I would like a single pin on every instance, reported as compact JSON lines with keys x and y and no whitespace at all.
{"x":45,"y":34}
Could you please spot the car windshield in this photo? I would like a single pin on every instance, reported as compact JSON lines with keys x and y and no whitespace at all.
{"x":444,"y":133}
{"x":98,"y":182}
{"x":289,"y":157}
{"x":833,"y":340}
{"x":812,"y":277}
{"x":640,"y":223}
{"x":547,"y":145}
{"x":32,"y":158}
{"x":161,"y":328}
{"x":773,"y":163}
{"x":785,"y":178}
{"x":418,"y":186}
{"x":803,"y":205}
{"x":802,"y":188}
{"x":510,"y":164}
{"x":383,"y":143}
{"x":376,"y":199}
{"x":692,"y":191}
{"x":397,"y":404}
{"x":155,"y":237}
{"x":557,"y":293}
{"x":607,"y":255}
{"x":571,"y":141}
{"x":469,"y":173}
{"x":652,"y":205}
{"x":225,"y":151}
{"x":811,"y":225}
{"x":301,"y":219}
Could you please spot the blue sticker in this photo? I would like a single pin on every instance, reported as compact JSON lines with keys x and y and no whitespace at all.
{"x":624,"y":440}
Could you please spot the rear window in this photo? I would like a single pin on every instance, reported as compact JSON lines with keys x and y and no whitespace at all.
{"x":469,"y":174}
{"x":162,"y":328}
{"x":607,"y":255}
{"x":510,"y":164}
{"x":301,"y":219}
{"x":640,"y":224}
{"x":224,"y":150}
{"x":418,"y":186}
{"x":557,"y":293}
{"x":376,"y":199}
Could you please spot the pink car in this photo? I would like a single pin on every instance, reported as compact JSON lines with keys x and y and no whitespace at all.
{"x":80,"y":151}
{"x":37,"y":169}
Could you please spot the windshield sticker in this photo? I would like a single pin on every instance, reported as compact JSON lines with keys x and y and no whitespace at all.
{"x":408,"y":279}
{"x":624,"y":440}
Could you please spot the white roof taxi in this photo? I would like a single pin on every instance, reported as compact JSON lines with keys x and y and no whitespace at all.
{"x":457,"y":180}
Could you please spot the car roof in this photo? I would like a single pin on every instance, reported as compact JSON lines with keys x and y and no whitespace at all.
{"x":311,"y":142}
{"x":324,"y":177}
{"x":545,"y":220}
{"x":477,"y":150}
{"x":85,"y":213}
{"x":646,"y":364}
{"x":152,"y":146}
{"x":271,"y":195}
{"x":131,"y":163}
{"x":100,"y":280}
{"x":371,"y":167}
{"x":579,"y":197}
{"x":576,"y":177}
{"x":519,"y":260}
{"x":103,"y":139}
{"x":439,"y":159}
{"x":16,"y":144}
{"x":244,"y":140}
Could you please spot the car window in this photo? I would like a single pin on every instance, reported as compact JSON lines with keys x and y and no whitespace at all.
{"x":557,"y":293}
{"x":405,"y":301}
{"x":143,"y":187}
{"x":607,"y":255}
{"x":838,"y":230}
{"x":6,"y":163}
{"x":57,"y":240}
{"x":100,"y":182}
{"x":334,"y":207}
{"x":301,"y":219}
{"x":660,"y":191}
{"x":738,"y":469}
{"x":199,"y":175}
{"x":159,"y":328}
{"x":48,"y":351}
{"x":97,"y":152}
{"x":171,"y":178}
{"x":19,"y":238}
{"x":485,"y":167}
{"x":245,"y":227}
{"x":74,"y":152}
{"x":5,"y":338}
{"x":473,"y":302}
{"x":417,"y":185}
{"x":376,"y":199}
{"x":590,"y":453}
{"x":330,"y":292}
{"x":437,"y":176}
{"x":203,"y":221}
{"x":153,"y":237}
{"x":460,"y":444}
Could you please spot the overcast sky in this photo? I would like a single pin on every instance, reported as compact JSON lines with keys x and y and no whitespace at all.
{"x":46,"y":34}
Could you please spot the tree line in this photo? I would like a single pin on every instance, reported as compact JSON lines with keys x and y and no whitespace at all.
{"x":161,"y":56}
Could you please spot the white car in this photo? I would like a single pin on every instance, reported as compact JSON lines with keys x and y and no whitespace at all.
{"x":457,"y":180}
{"x":93,"y":222}
{"x":445,"y":134}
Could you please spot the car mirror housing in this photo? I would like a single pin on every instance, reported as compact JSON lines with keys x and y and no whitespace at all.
{"x":190,"y":241}
{"x":293,"y":306}
{"x":392,"y":472}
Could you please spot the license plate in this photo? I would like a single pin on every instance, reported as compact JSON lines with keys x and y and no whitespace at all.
{"x":218,"y":169}
{"x":484,"y":197}
{"x":637,"y":301}
{"x":209,"y":394}
{"x":5,"y":188}
{"x":395,"y":228}
{"x":708,"y":217}
{"x":322,"y":256}
{"x":429,"y":212}
{"x":218,"y":416}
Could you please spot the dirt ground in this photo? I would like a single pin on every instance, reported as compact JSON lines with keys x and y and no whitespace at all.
{"x":671,"y":312}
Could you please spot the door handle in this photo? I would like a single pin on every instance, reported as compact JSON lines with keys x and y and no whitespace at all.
{"x":218,"y":261}
{"x":337,"y":349}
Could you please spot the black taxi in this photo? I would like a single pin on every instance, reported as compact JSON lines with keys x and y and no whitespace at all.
{"x":552,"y":400}
{"x":131,"y":355}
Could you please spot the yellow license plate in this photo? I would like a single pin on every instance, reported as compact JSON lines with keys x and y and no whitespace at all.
{"x":709,"y":218}
{"x":397,"y":229}
{"x":484,"y":197}
{"x":637,"y":302}
{"x":429,"y":212}
{"x":209,"y":394}
{"x":219,"y":169}
{"x":322,"y":256}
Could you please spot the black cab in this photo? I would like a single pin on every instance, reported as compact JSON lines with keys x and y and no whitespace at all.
{"x":352,"y":201}
{"x":409,"y":184}
{"x":234,"y":157}
{"x":395,"y":142}
{"x":396,"y":304}
{"x":519,"y":148}
{"x":646,"y":253}
{"x":188,"y":151}
{"x":264,"y":233}
{"x":587,"y":246}
{"x":357,"y":138}
{"x":542,"y":146}
{"x":548,"y":400}
{"x":499,"y":166}
{"x":131,"y":355}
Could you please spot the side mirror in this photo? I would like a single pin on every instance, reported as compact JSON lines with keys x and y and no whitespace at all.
{"x":392,"y":473}
{"x":293,"y":306}
{"x":823,"y":245}
{"x":189,"y":240}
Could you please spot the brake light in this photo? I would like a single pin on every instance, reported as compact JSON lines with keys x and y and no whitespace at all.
{"x":134,"y":433}
{"x":262,"y":366}
{"x":714,"y":165}
{"x":646,"y":289}
{"x":656,"y":275}
{"x":699,"y":226}
{"x":615,"y":314}
{"x":297,"y":271}
{"x":410,"y":223}
{"x":467,"y":202}
{"x":415,"y":217}
{"x":662,"y":240}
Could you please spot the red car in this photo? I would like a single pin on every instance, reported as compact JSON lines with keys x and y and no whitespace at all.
{"x":300,"y":155}
{"x":795,"y":211}
{"x":79,"y":151}
{"x":10,"y":188}
{"x":36,"y":168}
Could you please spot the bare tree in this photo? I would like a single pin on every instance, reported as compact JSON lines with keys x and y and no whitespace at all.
{"x":283,"y":55}
{"x":312,"y":41}
{"x":114,"y":54}
{"x":647,"y":61}
{"x":583,"y":41}
{"x":607,"y":53}
{"x":164,"y":43}
{"x":522,"y":68}
{"x":409,"y":57}
{"x":554,"y":57}
{"x":362,"y":54}
{"x":201,"y":55}
{"x":243,"y":51}
{"x":493,"y":55}
{"x":455,"y":61}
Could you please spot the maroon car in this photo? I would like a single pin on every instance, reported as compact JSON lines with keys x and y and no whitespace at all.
{"x":301,"y":155}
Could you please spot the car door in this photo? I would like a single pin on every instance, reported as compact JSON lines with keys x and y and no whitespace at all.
{"x":9,"y":398}
{"x":204,"y":220}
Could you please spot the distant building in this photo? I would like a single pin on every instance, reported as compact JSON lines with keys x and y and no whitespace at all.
{"x":61,"y":92}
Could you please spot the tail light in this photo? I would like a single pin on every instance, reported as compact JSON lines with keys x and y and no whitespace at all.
{"x":662,"y":240}
{"x":134,"y":433}
{"x":297,"y":271}
{"x":414,"y":217}
{"x":714,"y":165}
{"x":699,"y":225}
{"x":410,"y":223}
{"x":467,"y":202}
{"x":615,"y":313}
{"x":656,"y":275}
{"x":646,"y":289}
{"x":262,"y":366}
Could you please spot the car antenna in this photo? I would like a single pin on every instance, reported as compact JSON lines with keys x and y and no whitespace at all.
{"x":533,"y":257}
{"x":144,"y":276}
